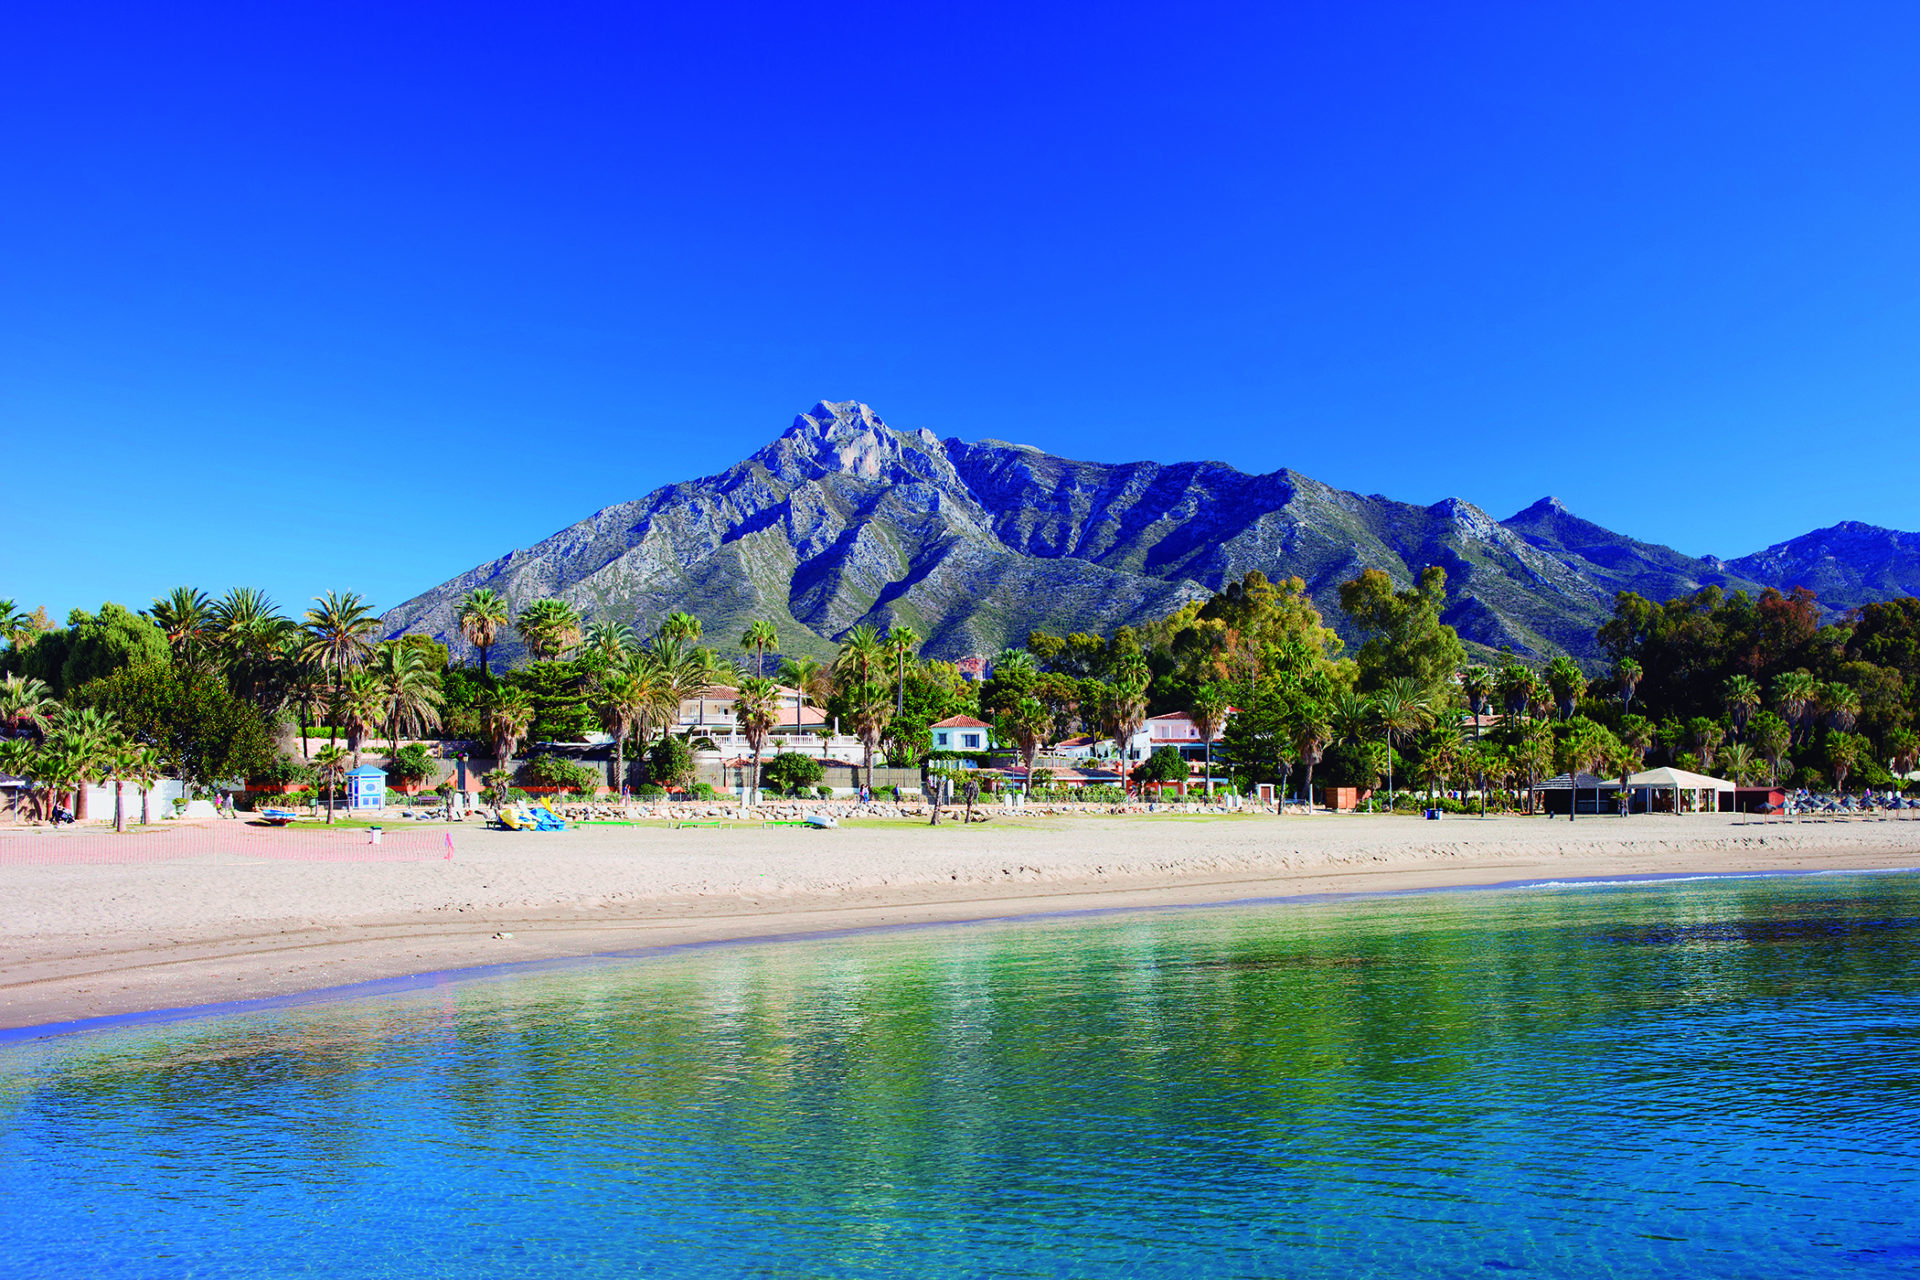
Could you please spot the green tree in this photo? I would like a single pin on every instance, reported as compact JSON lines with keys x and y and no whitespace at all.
{"x":338,"y":629}
{"x":1567,"y":683}
{"x":549,"y":627}
{"x":1165,"y":765}
{"x":1400,"y":708}
{"x":760,"y":636}
{"x":483,"y":614}
{"x":1845,"y":751}
{"x":410,"y":690}
{"x":1743,"y":699}
{"x":330,"y":765}
{"x":793,"y":772}
{"x":1209,"y":715}
{"x":670,"y":762}
{"x":184,"y":618}
{"x":1026,"y":725}
{"x":1405,"y":638}
{"x":756,"y":709}
{"x":509,"y":712}
{"x":203,"y":732}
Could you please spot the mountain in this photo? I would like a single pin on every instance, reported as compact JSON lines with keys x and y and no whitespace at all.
{"x":1847,"y":565}
{"x":844,"y":519}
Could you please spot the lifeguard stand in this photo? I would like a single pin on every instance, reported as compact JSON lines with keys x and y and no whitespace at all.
{"x":366,"y":787}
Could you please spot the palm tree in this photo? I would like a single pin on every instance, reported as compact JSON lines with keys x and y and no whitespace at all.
{"x":1533,"y":756}
{"x":550,"y":628}
{"x":1026,"y":724}
{"x":330,"y":763}
{"x":143,"y":766}
{"x":1771,"y":738}
{"x":246,"y":628}
{"x":1311,"y":734}
{"x":14,"y":624}
{"x":337,"y":636}
{"x":509,"y":713}
{"x":25,"y":704}
{"x":1738,"y":763}
{"x":1566,"y":682}
{"x":809,"y":679}
{"x":1843,"y":752}
{"x":1476,"y":685}
{"x":1743,"y":699}
{"x":183,"y":617}
{"x":85,"y":741}
{"x":1796,"y":693}
{"x":1351,"y":715}
{"x":624,"y":702}
{"x":119,"y":767}
{"x":482,"y":613}
{"x":681,"y":626}
{"x":1400,"y":708}
{"x":1209,"y":713}
{"x":1440,"y":757}
{"x":306,"y":682}
{"x":1515,"y":684}
{"x":760,"y":636}
{"x":1127,"y":705}
{"x":903,"y":644}
{"x":362,"y":703}
{"x":756,"y":709}
{"x":1841,"y":704}
{"x":607,"y":641}
{"x":411,"y":689}
{"x":1626,"y":678}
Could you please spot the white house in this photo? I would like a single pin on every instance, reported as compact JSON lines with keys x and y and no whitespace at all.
{"x":962,"y":734}
{"x":1176,"y":730}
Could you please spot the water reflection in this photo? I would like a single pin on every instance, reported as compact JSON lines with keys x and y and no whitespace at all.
{"x":1718,"y":1076}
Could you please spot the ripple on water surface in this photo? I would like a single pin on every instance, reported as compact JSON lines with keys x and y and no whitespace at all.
{"x":1716,"y":1078}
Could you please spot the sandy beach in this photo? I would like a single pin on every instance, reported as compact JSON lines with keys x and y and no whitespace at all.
{"x":86,"y":941}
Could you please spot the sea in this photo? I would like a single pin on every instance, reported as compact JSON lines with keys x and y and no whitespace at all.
{"x":1698,"y":1077}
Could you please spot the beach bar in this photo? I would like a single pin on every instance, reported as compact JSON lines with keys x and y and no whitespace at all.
{"x":366,"y":787}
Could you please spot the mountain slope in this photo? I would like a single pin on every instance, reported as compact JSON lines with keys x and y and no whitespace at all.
{"x":1846,"y":565}
{"x":844,"y":520}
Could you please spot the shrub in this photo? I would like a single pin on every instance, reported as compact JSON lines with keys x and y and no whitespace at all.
{"x":704,"y":791}
{"x":558,"y":771}
{"x":885,"y":793}
{"x":826,"y":793}
{"x":411,"y":763}
{"x":283,"y":770}
{"x":670,"y":762}
{"x":649,"y":791}
{"x":791,"y":772}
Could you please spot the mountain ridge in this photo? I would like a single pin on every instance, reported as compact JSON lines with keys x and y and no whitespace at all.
{"x":843,"y":519}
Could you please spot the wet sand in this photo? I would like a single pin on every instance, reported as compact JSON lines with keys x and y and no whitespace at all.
{"x":87,"y":941}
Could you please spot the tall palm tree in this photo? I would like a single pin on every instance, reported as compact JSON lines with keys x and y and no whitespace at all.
{"x":119,"y":767}
{"x":623,"y":702}
{"x":483,"y":613}
{"x":681,"y":626}
{"x":246,"y":629}
{"x":1127,"y":705}
{"x":363,"y":706}
{"x":1566,"y":682}
{"x":551,"y":627}
{"x":1209,"y":713}
{"x":1311,"y":734}
{"x":756,"y":709}
{"x":411,"y":689}
{"x":1796,"y":693}
{"x":903,"y":645}
{"x":1626,"y":678}
{"x":862,"y":652}
{"x":1476,"y":686}
{"x":1515,"y":684}
{"x":339,"y":632}
{"x":330,"y":764}
{"x":1739,"y":763}
{"x":143,"y":767}
{"x":760,"y":636}
{"x":1841,"y":705}
{"x":1352,"y":716}
{"x":608,"y":640}
{"x":1743,"y":699}
{"x":1399,"y":709}
{"x":183,"y":617}
{"x":306,"y":682}
{"x":809,"y":679}
{"x":25,"y":704}
{"x":1026,"y":724}
{"x":509,"y":713}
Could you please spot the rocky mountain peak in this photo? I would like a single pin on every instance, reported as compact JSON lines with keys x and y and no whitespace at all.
{"x":847,"y":437}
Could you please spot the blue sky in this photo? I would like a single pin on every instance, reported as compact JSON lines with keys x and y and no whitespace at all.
{"x":355,"y":297}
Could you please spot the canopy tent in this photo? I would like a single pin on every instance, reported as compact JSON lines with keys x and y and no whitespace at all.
{"x":1677,"y":782}
{"x":1580,"y":793}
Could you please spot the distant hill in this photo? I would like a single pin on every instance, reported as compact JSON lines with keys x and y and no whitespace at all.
{"x":843,"y":519}
{"x":1847,"y":565}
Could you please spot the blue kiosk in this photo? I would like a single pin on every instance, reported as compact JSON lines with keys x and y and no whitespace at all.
{"x":366,"y":788}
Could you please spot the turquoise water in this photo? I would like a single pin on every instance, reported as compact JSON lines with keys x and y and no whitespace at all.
{"x":1713,"y":1078}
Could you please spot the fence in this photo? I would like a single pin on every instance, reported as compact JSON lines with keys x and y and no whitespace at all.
{"x":223,"y":844}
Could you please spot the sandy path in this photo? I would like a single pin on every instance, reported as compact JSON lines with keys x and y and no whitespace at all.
{"x":88,"y":941}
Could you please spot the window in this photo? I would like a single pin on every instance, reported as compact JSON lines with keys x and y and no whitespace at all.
{"x":971,"y":741}
{"x":941,"y":737}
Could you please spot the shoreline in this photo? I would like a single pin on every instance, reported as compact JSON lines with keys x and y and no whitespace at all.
{"x":102,"y":945}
